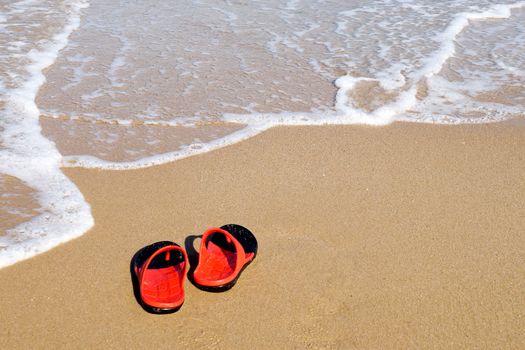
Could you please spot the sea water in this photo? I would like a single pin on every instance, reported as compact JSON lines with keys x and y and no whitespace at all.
{"x":127,"y":84}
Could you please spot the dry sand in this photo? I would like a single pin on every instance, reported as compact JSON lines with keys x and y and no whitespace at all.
{"x":406,"y":236}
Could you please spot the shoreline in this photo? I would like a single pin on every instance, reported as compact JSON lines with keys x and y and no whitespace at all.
{"x":403,"y":236}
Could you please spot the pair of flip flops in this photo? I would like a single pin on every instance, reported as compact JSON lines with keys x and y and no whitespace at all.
{"x":159,"y":270}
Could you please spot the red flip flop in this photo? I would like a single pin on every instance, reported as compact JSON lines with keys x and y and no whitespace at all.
{"x":224,"y":254}
{"x":160,"y":270}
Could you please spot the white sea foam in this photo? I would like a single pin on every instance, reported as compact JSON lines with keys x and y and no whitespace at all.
{"x":435,"y":62}
{"x":391,"y":78}
{"x":119,"y":61}
{"x":87,"y":161}
{"x":394,"y":78}
{"x":33,"y":159}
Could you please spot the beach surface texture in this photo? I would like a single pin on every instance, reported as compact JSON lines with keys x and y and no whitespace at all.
{"x":406,"y":236}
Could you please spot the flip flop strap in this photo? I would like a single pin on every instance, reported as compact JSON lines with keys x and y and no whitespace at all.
{"x":162,"y":250}
{"x":241,"y":255}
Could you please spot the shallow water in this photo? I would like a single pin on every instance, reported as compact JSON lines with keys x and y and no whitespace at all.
{"x":132,"y":84}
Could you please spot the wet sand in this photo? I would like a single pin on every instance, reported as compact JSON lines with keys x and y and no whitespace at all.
{"x":406,"y":236}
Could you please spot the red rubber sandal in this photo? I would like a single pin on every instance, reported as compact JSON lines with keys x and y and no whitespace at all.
{"x":224,"y":254}
{"x":159,"y":272}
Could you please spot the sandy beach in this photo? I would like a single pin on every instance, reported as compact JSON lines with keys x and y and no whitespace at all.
{"x":405,"y":236}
